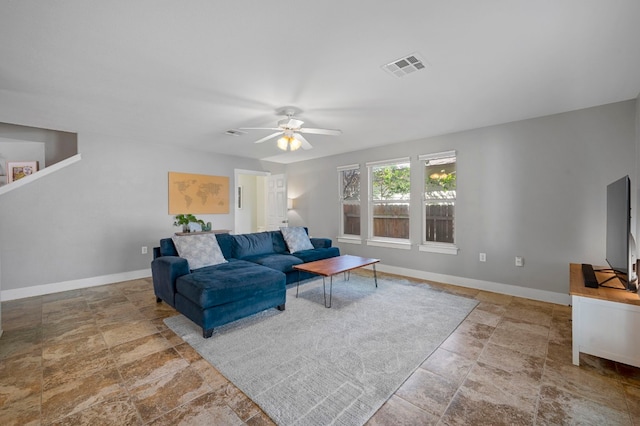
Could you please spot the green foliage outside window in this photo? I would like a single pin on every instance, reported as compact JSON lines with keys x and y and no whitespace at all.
{"x":445,"y":181}
{"x":392,"y":182}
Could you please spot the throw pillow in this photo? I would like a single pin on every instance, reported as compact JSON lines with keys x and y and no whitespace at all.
{"x":200,"y":250}
{"x":296,"y":239}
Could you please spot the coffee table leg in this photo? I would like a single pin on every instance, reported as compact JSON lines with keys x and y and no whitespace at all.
{"x":324,"y":292}
{"x":375,"y":276}
{"x":298,"y":285}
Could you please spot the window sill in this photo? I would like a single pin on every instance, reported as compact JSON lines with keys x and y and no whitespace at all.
{"x":349,"y":240}
{"x":396,"y":244}
{"x":442,"y":248}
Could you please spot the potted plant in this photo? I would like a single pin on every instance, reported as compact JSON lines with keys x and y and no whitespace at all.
{"x":184,"y":220}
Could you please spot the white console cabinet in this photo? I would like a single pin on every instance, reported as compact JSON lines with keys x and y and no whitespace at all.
{"x":606,"y":321}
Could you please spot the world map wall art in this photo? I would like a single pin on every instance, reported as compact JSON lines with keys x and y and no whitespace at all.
{"x":198,"y":194}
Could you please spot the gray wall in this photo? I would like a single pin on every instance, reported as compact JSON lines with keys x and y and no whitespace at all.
{"x":637,"y":180}
{"x":533,"y":188}
{"x":91,"y":219}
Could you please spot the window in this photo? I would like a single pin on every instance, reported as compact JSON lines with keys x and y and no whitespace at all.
{"x":349,"y":181}
{"x":390,"y":197}
{"x":440,"y":187}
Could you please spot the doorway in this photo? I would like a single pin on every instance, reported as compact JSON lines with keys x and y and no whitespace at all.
{"x":250,"y":201}
{"x":260,"y":201}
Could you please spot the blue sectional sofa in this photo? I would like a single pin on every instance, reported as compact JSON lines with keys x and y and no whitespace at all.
{"x":251,"y":278}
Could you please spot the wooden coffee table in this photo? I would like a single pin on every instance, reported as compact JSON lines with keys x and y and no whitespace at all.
{"x":335,"y":265}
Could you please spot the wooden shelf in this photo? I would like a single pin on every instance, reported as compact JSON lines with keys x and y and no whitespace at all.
{"x":215,"y":231}
{"x":577,"y":287}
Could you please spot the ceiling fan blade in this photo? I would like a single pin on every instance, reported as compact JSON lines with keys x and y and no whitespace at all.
{"x":305,"y":143}
{"x":259,"y":128}
{"x":266,"y":138}
{"x":330,"y":132}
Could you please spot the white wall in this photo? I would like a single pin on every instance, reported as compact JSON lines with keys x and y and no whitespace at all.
{"x":92,"y":218}
{"x":246,"y":217}
{"x":261,"y":203}
{"x":533,"y":188}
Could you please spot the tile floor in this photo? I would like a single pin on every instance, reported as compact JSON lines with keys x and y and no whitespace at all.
{"x":103,"y":355}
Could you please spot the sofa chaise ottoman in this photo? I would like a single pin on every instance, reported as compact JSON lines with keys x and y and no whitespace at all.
{"x":219,"y":294}
{"x":214,"y":279}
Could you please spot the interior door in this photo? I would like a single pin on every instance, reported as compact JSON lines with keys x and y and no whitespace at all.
{"x":276,"y":202}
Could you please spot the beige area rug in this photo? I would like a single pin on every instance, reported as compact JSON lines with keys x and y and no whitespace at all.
{"x":310,"y":365}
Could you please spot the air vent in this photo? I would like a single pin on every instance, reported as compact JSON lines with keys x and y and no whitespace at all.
{"x":235,"y":132}
{"x":403,"y":66}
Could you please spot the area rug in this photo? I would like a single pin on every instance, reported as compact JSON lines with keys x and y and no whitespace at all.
{"x":311,"y":365}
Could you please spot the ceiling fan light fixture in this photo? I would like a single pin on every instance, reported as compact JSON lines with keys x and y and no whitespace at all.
{"x":283,"y":142}
{"x":294,"y":144}
{"x":288,"y":143}
{"x":290,"y":132}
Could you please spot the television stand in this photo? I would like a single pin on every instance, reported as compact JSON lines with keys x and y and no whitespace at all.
{"x":605,"y":321}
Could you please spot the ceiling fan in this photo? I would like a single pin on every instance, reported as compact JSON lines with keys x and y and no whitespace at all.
{"x":291,"y":128}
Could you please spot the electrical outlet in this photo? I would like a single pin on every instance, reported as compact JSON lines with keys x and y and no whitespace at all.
{"x":144,"y":249}
{"x":483,"y":257}
{"x":519,"y":261}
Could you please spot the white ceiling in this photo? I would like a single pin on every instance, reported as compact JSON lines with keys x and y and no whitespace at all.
{"x":184,"y":72}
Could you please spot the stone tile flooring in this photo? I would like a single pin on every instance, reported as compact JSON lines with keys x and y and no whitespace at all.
{"x":102,"y":355}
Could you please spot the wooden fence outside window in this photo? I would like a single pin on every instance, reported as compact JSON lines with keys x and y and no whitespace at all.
{"x":392,"y":221}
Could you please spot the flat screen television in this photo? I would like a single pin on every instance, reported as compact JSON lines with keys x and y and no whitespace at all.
{"x":621,"y":250}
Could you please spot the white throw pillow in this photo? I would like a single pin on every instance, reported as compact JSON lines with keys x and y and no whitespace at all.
{"x":296,"y":239}
{"x":200,"y":250}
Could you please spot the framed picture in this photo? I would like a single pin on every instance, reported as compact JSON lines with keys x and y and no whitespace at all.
{"x":198,"y":194}
{"x":19,"y":169}
{"x":240,"y":196}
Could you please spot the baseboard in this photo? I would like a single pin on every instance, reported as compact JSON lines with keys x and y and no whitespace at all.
{"x":39,"y":290}
{"x":511,"y":290}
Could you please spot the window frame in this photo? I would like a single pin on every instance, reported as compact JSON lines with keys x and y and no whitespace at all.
{"x":434,"y":246}
{"x":342,"y":236}
{"x":390,"y":242}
